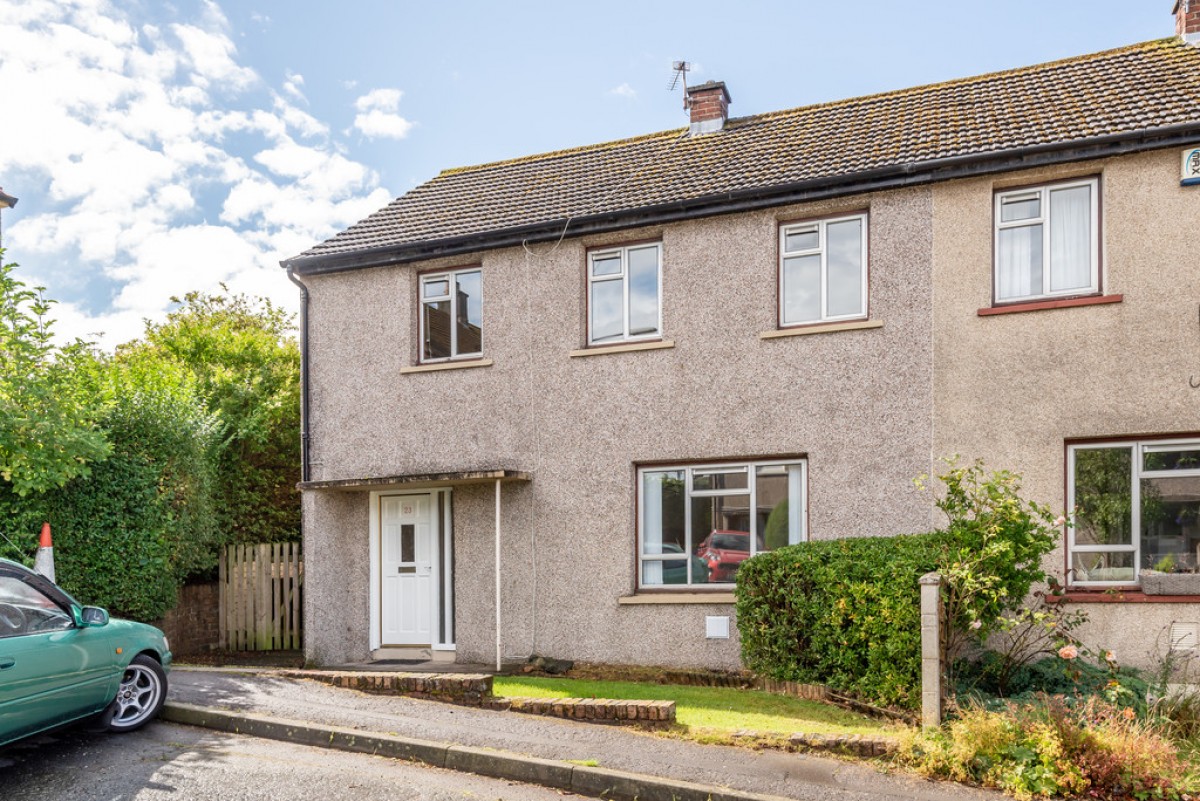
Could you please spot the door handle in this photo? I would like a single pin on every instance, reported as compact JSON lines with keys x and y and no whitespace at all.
{"x":6,"y":662}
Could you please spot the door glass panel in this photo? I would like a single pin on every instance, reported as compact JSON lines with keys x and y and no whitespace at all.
{"x":408,"y":543}
{"x":24,"y":610}
{"x":437,"y":330}
{"x":844,"y":266}
{"x":1103,"y":496}
{"x":643,"y":291}
{"x":801,"y":289}
{"x":607,"y":318}
{"x":470,"y":312}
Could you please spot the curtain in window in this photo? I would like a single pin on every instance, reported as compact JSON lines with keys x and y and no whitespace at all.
{"x":1020,"y":268}
{"x":652,"y":528}
{"x":1070,"y":238}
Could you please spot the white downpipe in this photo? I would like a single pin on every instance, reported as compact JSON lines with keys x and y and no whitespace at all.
{"x":497,"y":560}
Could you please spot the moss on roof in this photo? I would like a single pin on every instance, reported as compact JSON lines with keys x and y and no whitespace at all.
{"x":1139,"y":87}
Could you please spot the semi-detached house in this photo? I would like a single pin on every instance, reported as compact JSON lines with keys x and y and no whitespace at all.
{"x":552,"y":403}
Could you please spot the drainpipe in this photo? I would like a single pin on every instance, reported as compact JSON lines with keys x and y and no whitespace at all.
{"x":304,"y":432}
{"x":499,"y":663}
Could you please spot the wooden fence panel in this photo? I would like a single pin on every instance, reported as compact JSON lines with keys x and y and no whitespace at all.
{"x":260,"y":597}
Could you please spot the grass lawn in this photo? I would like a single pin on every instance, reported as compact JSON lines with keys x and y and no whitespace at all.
{"x":716,"y":711}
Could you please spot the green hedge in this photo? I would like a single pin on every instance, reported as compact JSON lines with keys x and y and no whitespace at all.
{"x":844,"y":613}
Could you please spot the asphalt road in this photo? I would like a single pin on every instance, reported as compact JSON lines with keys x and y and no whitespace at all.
{"x":166,"y":761}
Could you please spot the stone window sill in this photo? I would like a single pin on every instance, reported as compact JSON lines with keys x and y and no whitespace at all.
{"x":1042,"y":305}
{"x":677,"y":598}
{"x":624,"y":347}
{"x":821,"y":328}
{"x":466,"y":364}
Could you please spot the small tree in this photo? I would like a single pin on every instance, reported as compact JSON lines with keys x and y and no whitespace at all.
{"x":48,"y":411}
{"x":997,"y":541}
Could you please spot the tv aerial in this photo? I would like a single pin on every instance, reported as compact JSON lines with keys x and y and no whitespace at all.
{"x":679,"y":71}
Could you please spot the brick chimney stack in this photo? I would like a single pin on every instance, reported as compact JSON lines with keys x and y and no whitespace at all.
{"x":709,"y":107}
{"x":1187,"y":20}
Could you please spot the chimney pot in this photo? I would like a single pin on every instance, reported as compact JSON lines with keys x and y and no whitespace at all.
{"x":1187,"y":21}
{"x":709,"y":107}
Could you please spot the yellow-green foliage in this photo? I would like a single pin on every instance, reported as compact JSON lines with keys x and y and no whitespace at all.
{"x":1049,"y":749}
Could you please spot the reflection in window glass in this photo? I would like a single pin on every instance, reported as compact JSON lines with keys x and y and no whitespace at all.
{"x":623,"y":294}
{"x":716,"y":518}
{"x":1021,"y":208}
{"x":452,"y":324}
{"x":823,"y":271}
{"x":1132,"y":512}
{"x":1104,"y":496}
{"x":608,"y":322}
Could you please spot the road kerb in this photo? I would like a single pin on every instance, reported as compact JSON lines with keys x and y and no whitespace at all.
{"x":592,"y":781}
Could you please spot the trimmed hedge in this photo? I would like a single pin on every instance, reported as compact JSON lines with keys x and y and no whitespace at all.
{"x":844,"y":613}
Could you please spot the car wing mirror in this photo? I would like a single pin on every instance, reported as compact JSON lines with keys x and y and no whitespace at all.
{"x":93,"y":616}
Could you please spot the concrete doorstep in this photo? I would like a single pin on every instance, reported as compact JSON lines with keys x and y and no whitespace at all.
{"x":588,"y":781}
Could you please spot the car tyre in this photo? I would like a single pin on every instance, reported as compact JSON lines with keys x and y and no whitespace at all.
{"x":140,"y":696}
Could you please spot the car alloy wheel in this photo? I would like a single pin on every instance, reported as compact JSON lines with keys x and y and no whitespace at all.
{"x":140,"y":695}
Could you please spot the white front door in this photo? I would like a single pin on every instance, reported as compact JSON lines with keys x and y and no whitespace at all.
{"x":408,"y":589}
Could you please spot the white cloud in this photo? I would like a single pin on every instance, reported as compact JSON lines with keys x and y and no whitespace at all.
{"x":624,"y":90}
{"x":377,"y":117}
{"x":151,"y":161}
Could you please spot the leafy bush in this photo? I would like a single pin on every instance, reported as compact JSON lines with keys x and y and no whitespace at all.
{"x":1048,"y":748}
{"x":846,"y":613}
{"x":842,"y":612}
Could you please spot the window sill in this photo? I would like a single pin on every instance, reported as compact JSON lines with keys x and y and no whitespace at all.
{"x":465,"y":364}
{"x":1120,"y":595}
{"x":821,"y":328}
{"x":1041,"y":305}
{"x":677,"y":598}
{"x":624,"y":347}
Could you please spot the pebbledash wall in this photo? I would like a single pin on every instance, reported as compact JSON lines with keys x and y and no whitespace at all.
{"x":1014,"y":388}
{"x":855,"y":403}
{"x":869,"y":409}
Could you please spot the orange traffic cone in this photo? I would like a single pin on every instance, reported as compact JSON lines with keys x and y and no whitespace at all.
{"x":44,"y":563}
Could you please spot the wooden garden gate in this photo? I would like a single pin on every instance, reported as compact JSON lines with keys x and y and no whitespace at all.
{"x":260,"y":597}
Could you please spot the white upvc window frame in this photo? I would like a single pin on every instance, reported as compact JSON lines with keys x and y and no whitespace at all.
{"x":797,"y":514}
{"x":1042,"y":193}
{"x":451,"y":277}
{"x":1137,"y":472}
{"x":820,"y":226}
{"x":623,"y":276}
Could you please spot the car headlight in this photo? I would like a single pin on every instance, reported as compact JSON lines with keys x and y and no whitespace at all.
{"x":166,"y":644}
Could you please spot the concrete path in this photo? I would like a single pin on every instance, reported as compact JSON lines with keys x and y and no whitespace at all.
{"x":311,"y":712}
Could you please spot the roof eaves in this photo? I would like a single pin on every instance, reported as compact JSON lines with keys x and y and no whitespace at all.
{"x":891,"y":176}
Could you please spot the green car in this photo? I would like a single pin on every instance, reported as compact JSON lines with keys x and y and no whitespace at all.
{"x":61,"y":661}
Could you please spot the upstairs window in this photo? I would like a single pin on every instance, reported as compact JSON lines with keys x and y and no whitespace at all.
{"x":1047,"y":242}
{"x":624,"y":294}
{"x":823,"y":271}
{"x":451,"y":315}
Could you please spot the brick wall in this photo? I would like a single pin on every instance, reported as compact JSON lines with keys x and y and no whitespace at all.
{"x":193,"y":626}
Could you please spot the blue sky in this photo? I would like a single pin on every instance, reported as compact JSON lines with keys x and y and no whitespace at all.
{"x":162,"y":147}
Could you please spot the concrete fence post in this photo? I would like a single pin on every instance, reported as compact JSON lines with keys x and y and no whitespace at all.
{"x":931,"y":650}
